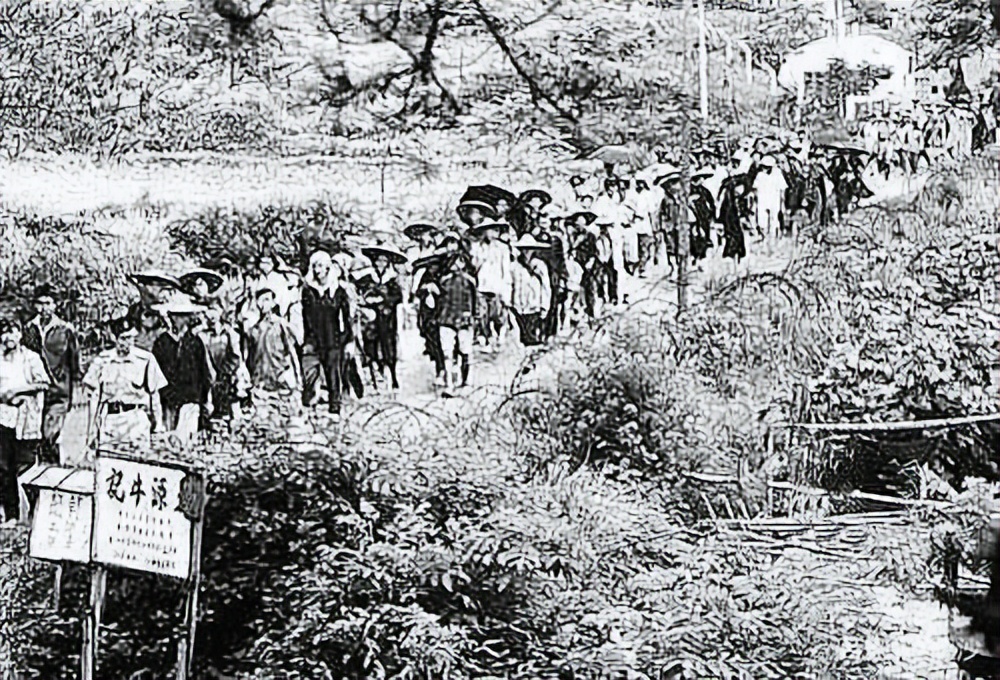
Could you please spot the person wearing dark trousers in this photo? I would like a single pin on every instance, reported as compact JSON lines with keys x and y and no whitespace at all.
{"x":23,"y":383}
{"x":55,"y":340}
{"x":384,"y":297}
{"x":584,"y":249}
{"x":185,"y":363}
{"x":326,"y":319}
{"x":426,"y":272}
{"x":606,"y":262}
{"x":456,"y":317}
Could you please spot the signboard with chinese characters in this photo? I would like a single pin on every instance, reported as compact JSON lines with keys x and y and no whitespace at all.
{"x":143,"y":516}
{"x":60,"y":529}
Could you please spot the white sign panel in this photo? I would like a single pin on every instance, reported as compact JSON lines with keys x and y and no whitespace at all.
{"x":139,"y":522}
{"x":61,"y":526}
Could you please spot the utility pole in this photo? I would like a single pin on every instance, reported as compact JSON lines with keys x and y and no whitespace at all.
{"x":681,"y":219}
{"x":702,"y":61}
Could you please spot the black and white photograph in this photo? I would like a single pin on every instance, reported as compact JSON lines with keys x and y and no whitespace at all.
{"x":499,"y":340}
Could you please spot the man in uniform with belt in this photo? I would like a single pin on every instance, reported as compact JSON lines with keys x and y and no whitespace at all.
{"x":123,"y":385}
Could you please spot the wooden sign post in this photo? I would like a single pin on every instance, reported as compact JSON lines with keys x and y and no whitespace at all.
{"x":129,"y":514}
{"x":92,"y":623}
{"x":61,"y":529}
{"x":148,"y":517}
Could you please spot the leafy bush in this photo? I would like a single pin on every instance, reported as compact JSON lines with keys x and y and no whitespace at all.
{"x":620,"y":401}
{"x":85,"y":261}
{"x":287,"y":230}
{"x":348,"y":558}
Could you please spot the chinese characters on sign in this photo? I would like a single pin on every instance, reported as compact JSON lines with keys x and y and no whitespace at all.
{"x":62,"y":526}
{"x":140,"y":521}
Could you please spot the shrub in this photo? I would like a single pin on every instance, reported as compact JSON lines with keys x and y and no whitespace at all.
{"x":618,"y":399}
{"x":85,"y":261}
{"x":350,"y":559}
{"x":287,"y":229}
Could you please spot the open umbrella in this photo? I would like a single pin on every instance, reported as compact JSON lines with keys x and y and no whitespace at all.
{"x":489,"y":194}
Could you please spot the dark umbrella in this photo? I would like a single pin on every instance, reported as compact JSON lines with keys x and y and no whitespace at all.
{"x":489,"y":194}
{"x":439,"y":258}
{"x":155,"y":278}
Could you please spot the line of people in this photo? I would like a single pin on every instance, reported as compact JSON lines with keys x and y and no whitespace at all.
{"x":213,"y":343}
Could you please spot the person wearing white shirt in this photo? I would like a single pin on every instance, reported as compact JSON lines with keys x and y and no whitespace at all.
{"x":646,"y":205}
{"x":23,"y":382}
{"x":609,"y":209}
{"x":605,"y":206}
{"x":123,"y":386}
{"x":770,"y":186}
{"x":287,"y":293}
{"x":532,"y":291}
{"x":491,"y":258}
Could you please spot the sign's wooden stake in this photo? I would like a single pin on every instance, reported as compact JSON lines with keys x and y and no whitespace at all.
{"x":185,"y":648}
{"x":57,"y":587}
{"x":92,"y":623}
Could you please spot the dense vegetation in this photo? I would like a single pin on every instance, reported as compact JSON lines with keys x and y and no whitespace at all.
{"x":186,"y":75}
{"x":559,"y":536}
{"x":553,"y":532}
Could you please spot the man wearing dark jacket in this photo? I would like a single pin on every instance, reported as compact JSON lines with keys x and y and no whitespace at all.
{"x":55,"y":341}
{"x":326,"y":320}
{"x":456,"y":318}
{"x":183,"y":358}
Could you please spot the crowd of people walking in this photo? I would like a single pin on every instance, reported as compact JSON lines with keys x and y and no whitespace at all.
{"x":215,"y":344}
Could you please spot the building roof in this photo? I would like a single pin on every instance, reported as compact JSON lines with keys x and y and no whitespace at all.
{"x":854,"y":50}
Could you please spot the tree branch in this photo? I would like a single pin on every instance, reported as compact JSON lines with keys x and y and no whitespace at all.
{"x":536,"y":91}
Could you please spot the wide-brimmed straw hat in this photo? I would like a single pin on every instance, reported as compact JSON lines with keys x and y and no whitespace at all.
{"x":344,"y":260}
{"x":212,"y":278}
{"x":529,"y":242}
{"x":386,"y":251}
{"x":585,"y":214}
{"x":533,"y":194}
{"x":449,"y":237}
{"x":415,"y":231}
{"x":487,"y":209}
